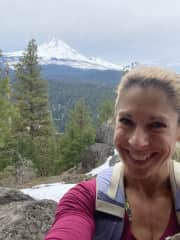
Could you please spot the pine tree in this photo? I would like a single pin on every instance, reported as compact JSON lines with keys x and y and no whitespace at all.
{"x":5,"y":110}
{"x":8,"y":117}
{"x":79,"y":134}
{"x":106,"y":111}
{"x":31,"y":96}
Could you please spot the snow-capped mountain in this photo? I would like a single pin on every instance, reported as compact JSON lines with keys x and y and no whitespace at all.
{"x":59,"y":53}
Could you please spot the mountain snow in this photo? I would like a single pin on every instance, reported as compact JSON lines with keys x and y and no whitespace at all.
{"x":60,"y":50}
{"x":59,"y":53}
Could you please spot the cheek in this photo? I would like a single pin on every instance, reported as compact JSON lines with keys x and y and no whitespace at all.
{"x":119,"y":138}
{"x":163,"y":144}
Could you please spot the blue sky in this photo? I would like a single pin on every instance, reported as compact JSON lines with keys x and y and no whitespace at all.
{"x":116,"y":30}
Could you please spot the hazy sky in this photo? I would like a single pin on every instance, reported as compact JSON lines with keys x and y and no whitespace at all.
{"x":116,"y":30}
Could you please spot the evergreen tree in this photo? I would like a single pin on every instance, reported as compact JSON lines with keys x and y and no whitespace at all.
{"x":106,"y":111}
{"x":8,"y":117}
{"x":46,"y":154}
{"x":79,"y":134}
{"x":5,"y":111}
{"x":31,"y":96}
{"x":35,"y":129}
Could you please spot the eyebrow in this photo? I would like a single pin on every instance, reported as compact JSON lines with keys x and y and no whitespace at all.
{"x":160,"y":118}
{"x":125,"y":114}
{"x":152,"y":118}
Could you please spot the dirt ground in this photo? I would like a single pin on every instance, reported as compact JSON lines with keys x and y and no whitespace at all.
{"x":70,"y":176}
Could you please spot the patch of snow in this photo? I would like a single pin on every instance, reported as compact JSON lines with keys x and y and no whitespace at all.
{"x":54,"y":191}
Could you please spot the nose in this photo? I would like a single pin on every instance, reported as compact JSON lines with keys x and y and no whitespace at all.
{"x":139,"y":139}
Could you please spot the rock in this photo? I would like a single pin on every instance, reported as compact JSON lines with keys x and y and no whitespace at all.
{"x":8,"y":195}
{"x":104,"y":134}
{"x":96,"y":155}
{"x":22,"y":218}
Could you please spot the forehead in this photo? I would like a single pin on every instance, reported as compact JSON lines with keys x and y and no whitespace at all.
{"x":151,"y":101}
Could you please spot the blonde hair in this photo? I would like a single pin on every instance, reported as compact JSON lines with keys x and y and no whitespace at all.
{"x":156,"y":77}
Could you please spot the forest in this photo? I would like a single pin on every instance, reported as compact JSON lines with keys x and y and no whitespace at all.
{"x":51,"y":137}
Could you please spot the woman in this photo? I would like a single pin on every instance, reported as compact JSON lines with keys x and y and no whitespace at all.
{"x":139,"y":198}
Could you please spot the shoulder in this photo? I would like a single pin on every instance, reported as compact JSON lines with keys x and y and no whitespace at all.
{"x":83,"y":188}
{"x":75,"y":213}
{"x":79,"y":198}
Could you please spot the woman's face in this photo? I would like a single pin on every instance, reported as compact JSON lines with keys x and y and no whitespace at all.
{"x":146,"y":130}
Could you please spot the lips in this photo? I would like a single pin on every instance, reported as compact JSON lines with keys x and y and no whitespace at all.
{"x":140,"y":159}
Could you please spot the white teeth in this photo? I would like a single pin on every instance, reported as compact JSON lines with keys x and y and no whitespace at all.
{"x":140,"y":157}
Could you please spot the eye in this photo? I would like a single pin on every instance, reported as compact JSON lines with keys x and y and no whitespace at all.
{"x":126,"y":121}
{"x":158,"y":125}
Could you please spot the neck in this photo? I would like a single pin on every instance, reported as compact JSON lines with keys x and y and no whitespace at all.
{"x":158,"y":182}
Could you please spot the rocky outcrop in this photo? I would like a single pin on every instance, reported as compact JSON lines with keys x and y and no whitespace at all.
{"x":8,"y":195}
{"x":97,"y":153}
{"x":104,"y":134}
{"x":95,"y":156}
{"x":23,"y":218}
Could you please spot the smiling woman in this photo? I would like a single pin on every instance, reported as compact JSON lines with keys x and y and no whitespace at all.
{"x":138,"y":198}
{"x":146,"y":131}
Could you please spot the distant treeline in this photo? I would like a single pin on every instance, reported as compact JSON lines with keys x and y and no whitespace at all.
{"x":64,"y":95}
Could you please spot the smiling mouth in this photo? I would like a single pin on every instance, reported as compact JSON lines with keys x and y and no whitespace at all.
{"x":140,"y":159}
